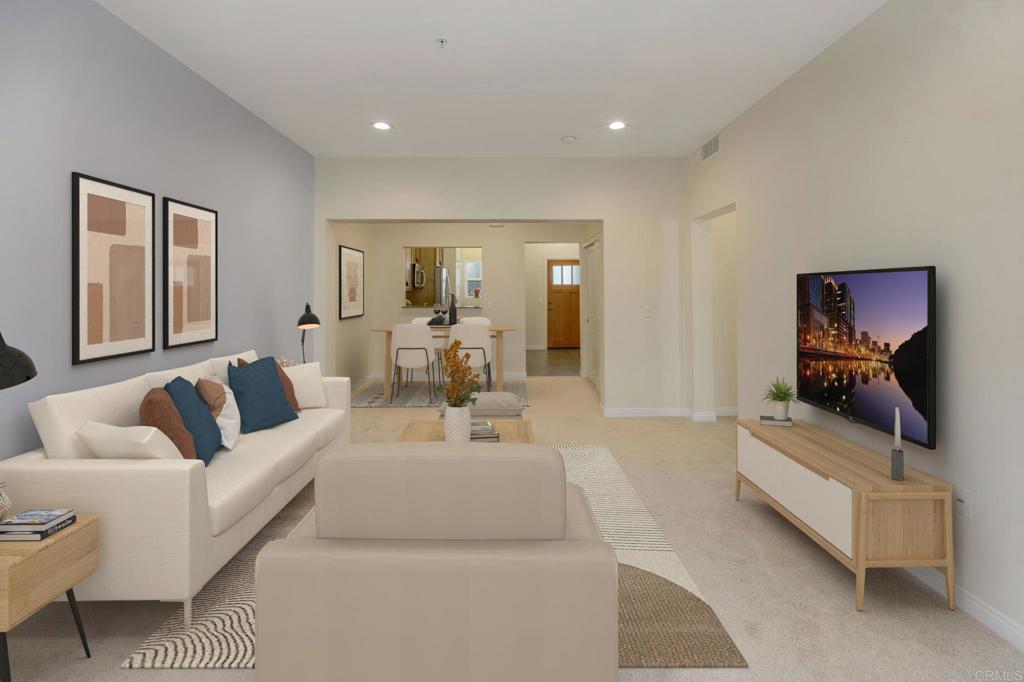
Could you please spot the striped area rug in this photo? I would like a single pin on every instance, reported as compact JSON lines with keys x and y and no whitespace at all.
{"x":663,"y":621}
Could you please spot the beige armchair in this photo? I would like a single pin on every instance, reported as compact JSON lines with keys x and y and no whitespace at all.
{"x":436,"y":562}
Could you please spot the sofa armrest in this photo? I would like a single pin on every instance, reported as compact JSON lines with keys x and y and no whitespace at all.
{"x":339,"y":392}
{"x":150,"y":512}
{"x":505,"y":610}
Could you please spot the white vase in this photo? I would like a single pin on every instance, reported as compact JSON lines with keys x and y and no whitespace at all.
{"x":781,"y":410}
{"x":458,"y":423}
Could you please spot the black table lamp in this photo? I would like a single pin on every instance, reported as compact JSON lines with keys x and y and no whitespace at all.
{"x":307,"y":321}
{"x":16,"y":367}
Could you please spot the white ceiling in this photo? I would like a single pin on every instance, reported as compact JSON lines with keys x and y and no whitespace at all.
{"x":517,"y":75}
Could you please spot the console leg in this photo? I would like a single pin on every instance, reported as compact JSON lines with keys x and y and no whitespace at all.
{"x":5,"y":660}
{"x":78,"y":621}
{"x":187,"y":604}
{"x":738,"y":483}
{"x":861,"y":578}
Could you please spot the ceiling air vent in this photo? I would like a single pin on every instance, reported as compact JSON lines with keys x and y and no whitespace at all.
{"x":709,"y":148}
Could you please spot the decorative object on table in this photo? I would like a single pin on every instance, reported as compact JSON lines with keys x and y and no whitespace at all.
{"x":351,"y":282}
{"x":770,"y":420}
{"x":190,"y":274}
{"x":306,"y":322}
{"x":476,"y":292}
{"x":780,"y":393}
{"x":36,"y":572}
{"x":437,"y":320}
{"x":5,"y":501}
{"x":35,"y":524}
{"x":483,"y":432}
{"x":16,"y":367}
{"x":112,"y":266}
{"x":897,"y":448}
{"x":462,"y":383}
{"x":453,"y":311}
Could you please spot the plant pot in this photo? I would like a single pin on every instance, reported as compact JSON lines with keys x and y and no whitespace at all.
{"x":458,"y":423}
{"x":781,"y":411}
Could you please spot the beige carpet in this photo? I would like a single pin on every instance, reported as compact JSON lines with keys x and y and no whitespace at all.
{"x":661,"y":624}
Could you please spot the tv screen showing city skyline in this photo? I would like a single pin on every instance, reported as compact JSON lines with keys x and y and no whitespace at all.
{"x":864,"y":347}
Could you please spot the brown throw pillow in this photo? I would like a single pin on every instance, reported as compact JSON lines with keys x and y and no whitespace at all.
{"x":158,"y":410}
{"x":212,"y":393}
{"x":289,"y":388}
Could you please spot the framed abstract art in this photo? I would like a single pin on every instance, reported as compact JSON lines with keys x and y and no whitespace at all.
{"x":190,"y":274}
{"x":351,"y":279}
{"x":112,"y":263}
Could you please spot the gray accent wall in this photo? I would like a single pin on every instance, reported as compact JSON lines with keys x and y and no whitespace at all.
{"x":81,"y":91}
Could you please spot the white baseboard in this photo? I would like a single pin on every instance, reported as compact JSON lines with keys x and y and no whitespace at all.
{"x":704,"y":416}
{"x":726,"y":411}
{"x":989,"y":616}
{"x":646,"y":412}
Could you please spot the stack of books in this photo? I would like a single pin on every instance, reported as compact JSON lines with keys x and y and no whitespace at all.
{"x":769,"y":420}
{"x":483,"y":432}
{"x":35,"y":524}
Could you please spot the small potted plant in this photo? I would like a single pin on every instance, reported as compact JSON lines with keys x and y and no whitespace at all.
{"x":476,"y":292}
{"x":780,"y":393}
{"x":462,"y":383}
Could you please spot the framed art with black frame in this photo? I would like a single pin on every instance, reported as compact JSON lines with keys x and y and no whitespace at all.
{"x":112,"y":265}
{"x":190,"y":274}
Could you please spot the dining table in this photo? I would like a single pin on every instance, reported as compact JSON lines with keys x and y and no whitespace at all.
{"x":441,"y":331}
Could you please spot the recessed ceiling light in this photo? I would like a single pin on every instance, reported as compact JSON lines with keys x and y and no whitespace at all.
{"x":616,"y":125}
{"x":569,"y":139}
{"x":382,"y":125}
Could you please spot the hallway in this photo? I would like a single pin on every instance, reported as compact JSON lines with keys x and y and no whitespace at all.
{"x":554,"y":362}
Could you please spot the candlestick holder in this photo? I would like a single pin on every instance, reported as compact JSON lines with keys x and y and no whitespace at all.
{"x":896,"y":455}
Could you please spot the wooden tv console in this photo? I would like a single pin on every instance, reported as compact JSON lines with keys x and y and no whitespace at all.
{"x":841,"y":496}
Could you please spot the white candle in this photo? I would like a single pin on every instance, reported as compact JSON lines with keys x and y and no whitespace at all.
{"x":896,"y":431}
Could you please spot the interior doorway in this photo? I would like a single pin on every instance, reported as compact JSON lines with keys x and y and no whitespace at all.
{"x":553,"y":279}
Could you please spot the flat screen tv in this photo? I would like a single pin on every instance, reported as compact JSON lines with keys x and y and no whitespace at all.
{"x":866,"y":345}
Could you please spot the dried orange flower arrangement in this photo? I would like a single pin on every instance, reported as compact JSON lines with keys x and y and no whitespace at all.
{"x":462,"y":380}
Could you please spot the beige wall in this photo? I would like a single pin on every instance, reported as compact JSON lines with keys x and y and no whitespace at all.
{"x":637,"y":200}
{"x":723,"y":310}
{"x":900,"y":145}
{"x":358,"y":353}
{"x":537,"y":256}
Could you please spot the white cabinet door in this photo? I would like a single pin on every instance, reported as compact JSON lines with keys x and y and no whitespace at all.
{"x":822,"y":503}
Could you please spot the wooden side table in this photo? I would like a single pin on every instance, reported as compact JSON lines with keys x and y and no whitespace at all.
{"x":33,"y":574}
{"x":509,"y":430}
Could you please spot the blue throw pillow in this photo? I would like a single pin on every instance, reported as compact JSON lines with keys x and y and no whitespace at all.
{"x":196,"y":415}
{"x":260,"y":395}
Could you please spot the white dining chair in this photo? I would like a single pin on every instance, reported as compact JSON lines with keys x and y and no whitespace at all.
{"x":440,"y":343}
{"x":412,"y":347}
{"x":476,"y":340}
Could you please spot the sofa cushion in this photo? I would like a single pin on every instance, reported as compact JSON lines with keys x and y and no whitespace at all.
{"x":220,"y":365}
{"x":260,"y":395}
{"x":223,"y":407}
{"x":326,"y":422}
{"x":308,"y":382}
{"x":127,"y":442}
{"x":288,"y":450}
{"x":196,"y":415}
{"x":286,"y":383}
{"x":58,"y":417}
{"x":441,"y":491}
{"x":159,"y":411}
{"x":235,"y":484}
{"x":192,"y":373}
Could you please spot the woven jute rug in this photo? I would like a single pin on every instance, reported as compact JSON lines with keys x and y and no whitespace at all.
{"x":663,"y":621}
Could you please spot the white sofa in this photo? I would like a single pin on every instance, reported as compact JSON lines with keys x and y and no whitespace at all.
{"x":167,"y":526}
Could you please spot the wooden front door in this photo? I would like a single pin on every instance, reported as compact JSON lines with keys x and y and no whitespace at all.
{"x":563,"y":303}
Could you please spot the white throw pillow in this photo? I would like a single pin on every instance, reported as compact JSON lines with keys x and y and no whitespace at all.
{"x":127,"y":442}
{"x":229,"y":421}
{"x":309,"y":385}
